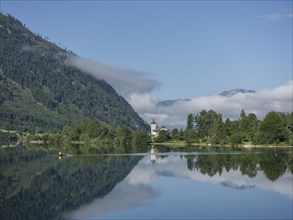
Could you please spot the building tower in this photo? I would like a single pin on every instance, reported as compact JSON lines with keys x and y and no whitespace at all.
{"x":153,"y":127}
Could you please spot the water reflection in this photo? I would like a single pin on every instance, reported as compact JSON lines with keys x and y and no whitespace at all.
{"x":233,"y":178}
{"x":35,"y":185}
{"x":160,"y":183}
{"x":142,"y":191}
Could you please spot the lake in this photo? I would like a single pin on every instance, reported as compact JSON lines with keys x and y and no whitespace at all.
{"x":158,"y":183}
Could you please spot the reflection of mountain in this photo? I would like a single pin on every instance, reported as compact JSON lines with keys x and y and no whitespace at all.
{"x":235,"y":186}
{"x":145,"y":190}
{"x":166,"y":173}
{"x":124,"y":196}
{"x":36,"y":186}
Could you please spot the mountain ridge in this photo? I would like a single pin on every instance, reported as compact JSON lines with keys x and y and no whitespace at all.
{"x":170,"y":102}
{"x":227,"y":93}
{"x":232,"y":92}
{"x":40,"y":91}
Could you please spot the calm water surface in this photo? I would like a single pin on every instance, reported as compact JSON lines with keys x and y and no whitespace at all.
{"x":198,"y":183}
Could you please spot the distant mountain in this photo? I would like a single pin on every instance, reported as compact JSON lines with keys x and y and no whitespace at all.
{"x":235,"y":91}
{"x":39,"y":91}
{"x":167,"y":103}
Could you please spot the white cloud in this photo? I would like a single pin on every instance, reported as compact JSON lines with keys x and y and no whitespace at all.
{"x":136,"y":87}
{"x":27,"y":48}
{"x":124,"y":81}
{"x":260,"y":103}
{"x":274,"y":17}
{"x":141,"y":102}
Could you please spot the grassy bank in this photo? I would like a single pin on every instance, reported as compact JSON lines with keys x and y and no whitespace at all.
{"x":183,"y":144}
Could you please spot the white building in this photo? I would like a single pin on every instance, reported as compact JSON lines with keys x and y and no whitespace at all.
{"x":156,"y":128}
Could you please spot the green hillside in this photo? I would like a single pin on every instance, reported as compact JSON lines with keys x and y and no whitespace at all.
{"x":39,"y":92}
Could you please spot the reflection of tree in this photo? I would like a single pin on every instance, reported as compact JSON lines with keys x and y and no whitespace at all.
{"x":208,"y":164}
{"x":248,"y":166}
{"x":274,"y":165}
{"x":190,"y":162}
{"x":273,"y":162}
{"x":291,"y":166}
{"x":229,"y":163}
{"x":35,"y":186}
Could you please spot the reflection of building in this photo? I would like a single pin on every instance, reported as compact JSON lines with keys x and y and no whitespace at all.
{"x":156,"y":128}
{"x":153,"y":156}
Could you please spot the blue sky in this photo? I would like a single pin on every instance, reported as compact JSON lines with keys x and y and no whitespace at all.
{"x":156,"y":50}
{"x":192,"y":48}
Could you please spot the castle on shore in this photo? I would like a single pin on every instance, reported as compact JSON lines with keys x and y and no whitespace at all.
{"x":156,"y":128}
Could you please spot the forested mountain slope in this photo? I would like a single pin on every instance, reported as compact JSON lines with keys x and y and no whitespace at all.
{"x":40,"y":92}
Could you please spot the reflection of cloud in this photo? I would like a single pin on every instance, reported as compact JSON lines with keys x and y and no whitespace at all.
{"x":133,"y":191}
{"x":123,"y":196}
{"x":260,"y":103}
{"x":178,"y":167}
{"x":137,"y":188}
{"x":141,"y":174}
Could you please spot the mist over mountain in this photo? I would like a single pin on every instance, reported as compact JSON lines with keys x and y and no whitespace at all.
{"x":228,"y":93}
{"x":41,"y":90}
{"x":173,"y":113}
{"x":232,"y":92}
{"x":167,"y":103}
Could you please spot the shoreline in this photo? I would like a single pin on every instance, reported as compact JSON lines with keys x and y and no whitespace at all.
{"x":184,"y":145}
{"x":262,"y":146}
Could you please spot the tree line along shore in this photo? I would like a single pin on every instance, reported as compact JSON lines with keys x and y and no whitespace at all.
{"x":206,"y":128}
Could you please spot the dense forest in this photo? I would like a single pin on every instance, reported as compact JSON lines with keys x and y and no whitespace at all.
{"x":209,"y":127}
{"x":91,"y":134}
{"x":206,"y":127}
{"x":40,"y":92}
